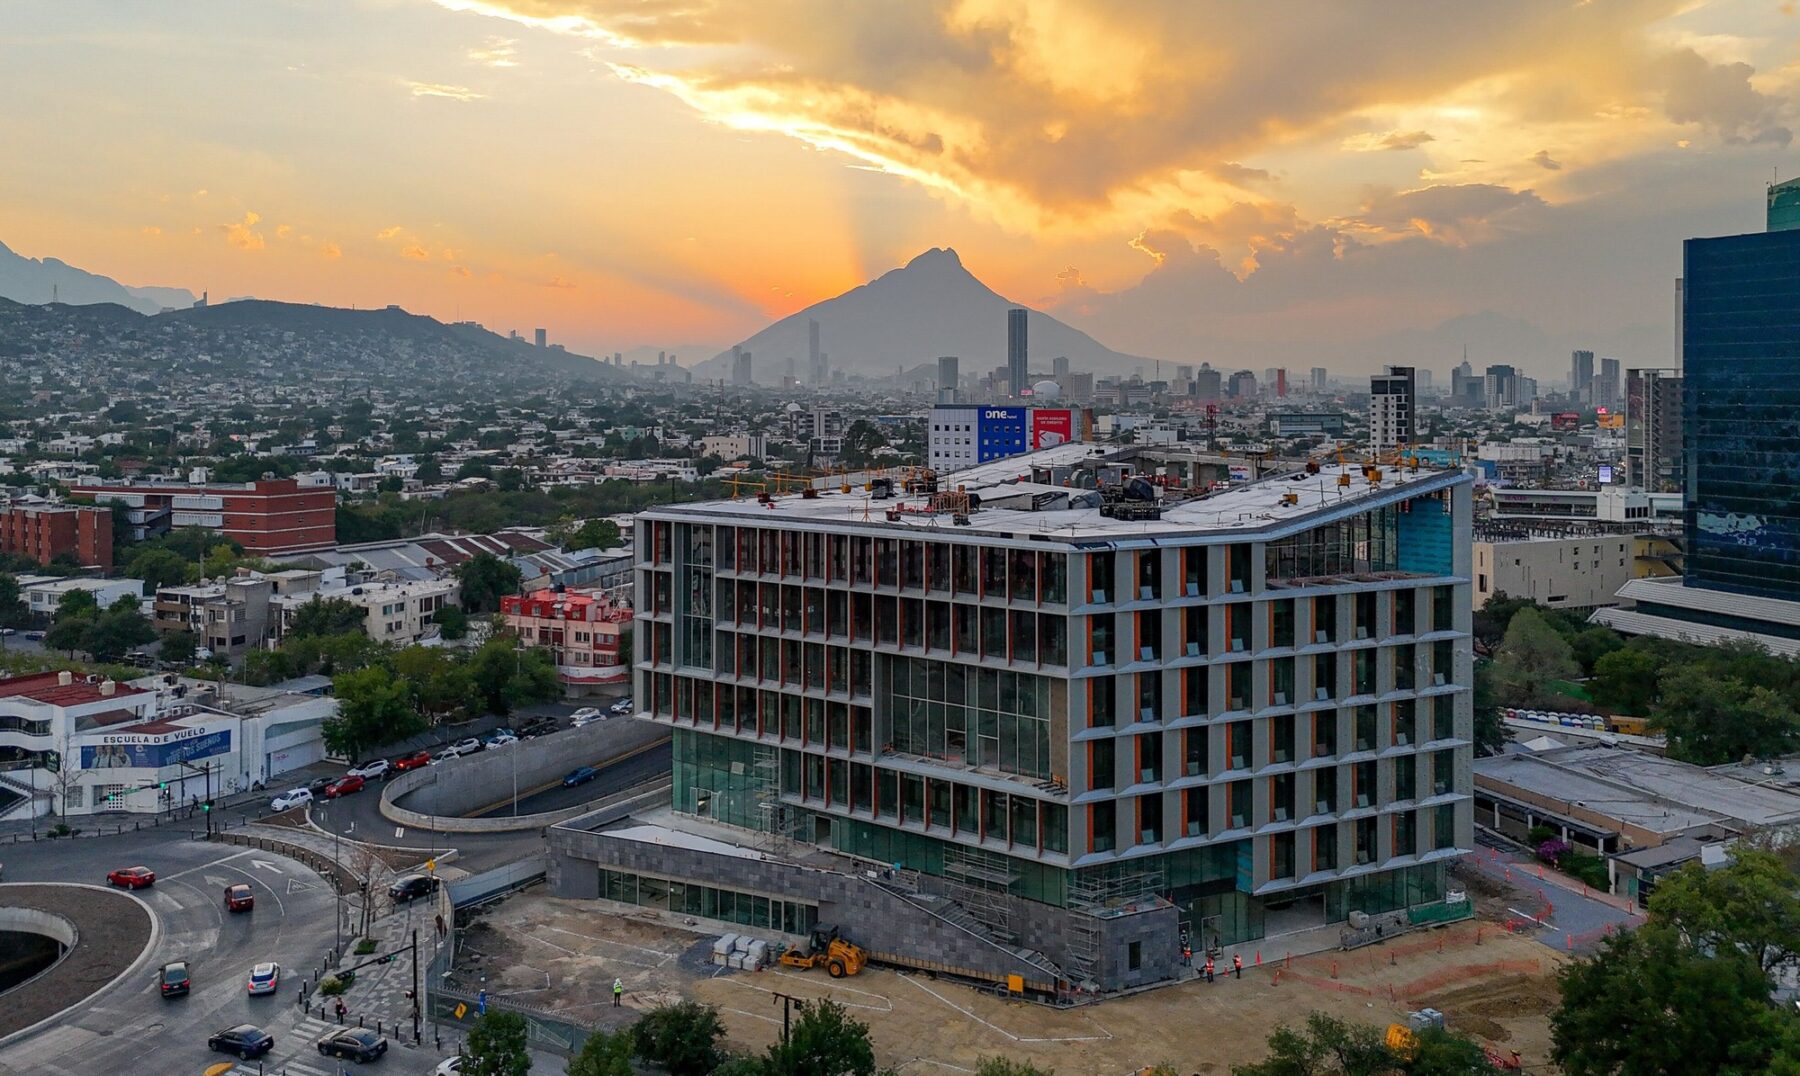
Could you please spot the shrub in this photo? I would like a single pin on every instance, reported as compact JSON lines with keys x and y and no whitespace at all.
{"x":365,"y":946}
{"x":331,"y":986}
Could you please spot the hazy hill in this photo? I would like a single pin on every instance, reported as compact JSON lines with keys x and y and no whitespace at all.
{"x":909,"y":316}
{"x":42,"y":280}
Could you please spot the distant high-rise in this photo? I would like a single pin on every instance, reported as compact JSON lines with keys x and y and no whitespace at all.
{"x":1319,"y":376}
{"x":1207,"y":383}
{"x":1606,"y":385}
{"x":1280,"y":380}
{"x":1391,"y":408}
{"x":1500,"y":388}
{"x":947,"y":378}
{"x":740,"y":366}
{"x":817,"y":365}
{"x":1242,"y":386}
{"x":543,"y":338}
{"x":1581,"y":377}
{"x":1018,"y":372}
{"x":1653,"y":430}
{"x":1059,"y":367}
{"x":1784,"y":206}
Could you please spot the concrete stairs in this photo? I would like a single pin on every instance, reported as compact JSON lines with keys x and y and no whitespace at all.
{"x":954,"y":914}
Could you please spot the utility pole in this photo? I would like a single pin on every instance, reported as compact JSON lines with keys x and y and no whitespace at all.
{"x":414,"y":947}
{"x":788,"y":1004}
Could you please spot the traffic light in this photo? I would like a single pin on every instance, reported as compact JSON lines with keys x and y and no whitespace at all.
{"x":162,"y":786}
{"x":206,"y":807}
{"x":386,"y":958}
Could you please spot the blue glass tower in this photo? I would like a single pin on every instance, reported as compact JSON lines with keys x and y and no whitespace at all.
{"x":1741,"y":407}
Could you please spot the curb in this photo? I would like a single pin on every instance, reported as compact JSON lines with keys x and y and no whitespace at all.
{"x":135,"y":968}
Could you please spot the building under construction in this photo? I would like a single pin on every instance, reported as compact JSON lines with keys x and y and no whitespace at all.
{"x":1049,"y":720}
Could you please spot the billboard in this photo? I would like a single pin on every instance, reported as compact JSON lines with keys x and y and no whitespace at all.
{"x":999,"y":432}
{"x":153,"y":752}
{"x":1051,"y":427}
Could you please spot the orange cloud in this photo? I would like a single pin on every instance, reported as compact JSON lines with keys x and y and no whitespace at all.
{"x":440,"y":89}
{"x":242,"y":234}
{"x":151,"y":230}
{"x":416,"y":252}
{"x":282,"y":231}
{"x":388,"y":233}
{"x":559,"y":282}
{"x":331,"y":250}
{"x":459,"y":270}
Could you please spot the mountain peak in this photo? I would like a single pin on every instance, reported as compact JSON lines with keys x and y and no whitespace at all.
{"x":936,"y":257}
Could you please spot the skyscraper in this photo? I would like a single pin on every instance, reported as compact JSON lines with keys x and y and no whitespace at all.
{"x":1581,"y":377}
{"x":740,"y":366}
{"x":1606,"y":385}
{"x":947,"y":379}
{"x":543,"y":338}
{"x":1653,"y":429}
{"x":1784,"y":206}
{"x":1391,"y":408}
{"x":1059,"y":367}
{"x":817,"y":366}
{"x":1319,"y":375}
{"x":1500,"y":388}
{"x":1018,"y":371}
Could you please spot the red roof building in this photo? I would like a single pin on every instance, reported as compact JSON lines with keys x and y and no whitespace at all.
{"x":581,"y":629}
{"x":271,"y":517}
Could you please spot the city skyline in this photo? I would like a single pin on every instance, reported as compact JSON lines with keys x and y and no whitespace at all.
{"x":687,"y":176}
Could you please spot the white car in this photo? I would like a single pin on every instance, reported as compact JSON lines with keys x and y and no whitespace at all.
{"x":370,"y":770}
{"x":465,"y":747}
{"x":449,"y":1066}
{"x":264,"y":979}
{"x":623,"y":706}
{"x":583,"y":716}
{"x":292,"y":798}
{"x":501,"y":739}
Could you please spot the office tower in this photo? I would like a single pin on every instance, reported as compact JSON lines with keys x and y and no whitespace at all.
{"x":818,"y":364}
{"x":1653,"y":441}
{"x":1741,"y":413}
{"x":1391,"y":408}
{"x":618,"y":358}
{"x":740,"y":366}
{"x":1680,"y":301}
{"x":1242,"y":386}
{"x":1500,"y":388}
{"x":1018,"y":372}
{"x":1581,"y":378}
{"x":662,"y":356}
{"x":1319,"y":377}
{"x":1207,"y":383}
{"x":1421,"y":381}
{"x":1607,"y":389}
{"x":789,"y":374}
{"x":1280,"y":380}
{"x":1059,"y":367}
{"x":1179,"y":732}
{"x":543,"y":338}
{"x":946,"y":379}
{"x":1784,"y":206}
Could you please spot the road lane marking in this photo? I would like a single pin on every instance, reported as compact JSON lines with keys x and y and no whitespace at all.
{"x":204,"y":866}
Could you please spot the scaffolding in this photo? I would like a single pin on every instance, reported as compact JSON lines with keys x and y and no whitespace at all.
{"x":1099,"y":894}
{"x":775,"y":818}
{"x":982,"y":883}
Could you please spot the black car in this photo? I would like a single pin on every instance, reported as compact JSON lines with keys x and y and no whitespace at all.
{"x":580,"y":775}
{"x":411,"y":887}
{"x":354,"y":1043}
{"x":174,"y":979}
{"x":318,"y":785}
{"x":245,"y":1040}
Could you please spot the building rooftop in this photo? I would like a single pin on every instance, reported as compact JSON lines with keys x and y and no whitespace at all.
{"x":46,"y":688}
{"x":1240,"y":509}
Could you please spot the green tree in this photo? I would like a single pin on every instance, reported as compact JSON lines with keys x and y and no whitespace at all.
{"x":1532,"y":654}
{"x":1005,"y":1066}
{"x":373,"y":708}
{"x":77,"y":603}
{"x":69,"y":634}
{"x":159,"y":566}
{"x":591,"y":534}
{"x":825,"y":1041}
{"x":1625,"y":681}
{"x":1327,"y":1046}
{"x":178,"y":647}
{"x":1751,"y":906}
{"x":604,"y":1055}
{"x":1711,"y":720}
{"x":1438,"y":1052}
{"x":682,"y":1037}
{"x":452,"y":622}
{"x":1490,"y":730}
{"x":1592,"y":644}
{"x":327,"y":616}
{"x":13,"y":611}
{"x":1650,"y":1003}
{"x":1493,"y":618}
{"x":498,"y":1046}
{"x":440,"y":683}
{"x":486,"y":579}
{"x":112,"y":634}
{"x":474,"y":469}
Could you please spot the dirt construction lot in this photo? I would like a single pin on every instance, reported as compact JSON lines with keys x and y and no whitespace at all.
{"x":563,"y":955}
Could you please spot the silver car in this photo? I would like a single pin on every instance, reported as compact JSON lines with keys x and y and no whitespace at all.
{"x":264,"y":979}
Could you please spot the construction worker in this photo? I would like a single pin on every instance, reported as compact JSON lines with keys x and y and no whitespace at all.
{"x":618,"y":992}
{"x":1209,"y":968}
{"x":1237,"y":965}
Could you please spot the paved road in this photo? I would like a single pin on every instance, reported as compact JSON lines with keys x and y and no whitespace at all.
{"x":1572,"y":921}
{"x":646,"y":765}
{"x":131,"y":1028}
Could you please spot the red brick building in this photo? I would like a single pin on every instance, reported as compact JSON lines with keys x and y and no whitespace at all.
{"x":45,"y":532}
{"x":270,"y":518}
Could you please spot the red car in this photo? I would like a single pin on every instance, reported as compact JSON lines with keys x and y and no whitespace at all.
{"x":239,"y":898}
{"x":418,"y":760}
{"x":343,"y":786}
{"x":132,"y":877}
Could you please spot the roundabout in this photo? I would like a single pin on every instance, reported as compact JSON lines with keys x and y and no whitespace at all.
{"x":100,"y":936}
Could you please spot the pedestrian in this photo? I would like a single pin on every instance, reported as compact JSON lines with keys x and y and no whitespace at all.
{"x":341,"y":1010}
{"x":1237,"y":965}
{"x":1209,"y":968}
{"x":618,"y":992}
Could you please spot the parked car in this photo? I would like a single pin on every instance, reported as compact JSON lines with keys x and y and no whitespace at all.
{"x":239,"y":898}
{"x":414,"y":761}
{"x":245,"y":1040}
{"x":449,"y":1066}
{"x":465,"y":747}
{"x":6,"y":631}
{"x":411,"y":887}
{"x":623,"y":706}
{"x":537,"y":726}
{"x":343,"y":786}
{"x":500,"y":739}
{"x":354,"y":1043}
{"x":292,"y":798}
{"x":445,"y":755}
{"x":35,"y":636}
{"x":371,"y":770}
{"x":584,"y":717}
{"x":132,"y":877}
{"x":318,"y":785}
{"x":264,"y":978}
{"x":173,"y":979}
{"x":580,"y":775}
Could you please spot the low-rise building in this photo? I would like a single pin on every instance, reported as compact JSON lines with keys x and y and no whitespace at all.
{"x":46,"y":532}
{"x":399,"y":614}
{"x":1559,"y":571}
{"x":582,"y":630}
{"x":43,"y":593}
{"x":734,"y":446}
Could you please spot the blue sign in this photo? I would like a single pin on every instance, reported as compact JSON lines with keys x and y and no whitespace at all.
{"x":999,"y":433}
{"x":154,"y":756}
{"x":481,"y":1003}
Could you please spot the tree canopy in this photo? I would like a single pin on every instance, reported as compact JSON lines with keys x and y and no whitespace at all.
{"x":498,"y":1046}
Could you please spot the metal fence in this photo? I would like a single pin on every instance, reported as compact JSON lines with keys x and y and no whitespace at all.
{"x":489,"y":885}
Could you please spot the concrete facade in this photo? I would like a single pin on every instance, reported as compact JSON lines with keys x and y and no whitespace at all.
{"x":1562,"y":573}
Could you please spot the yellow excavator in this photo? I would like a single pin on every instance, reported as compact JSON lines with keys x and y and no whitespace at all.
{"x":827,"y":949}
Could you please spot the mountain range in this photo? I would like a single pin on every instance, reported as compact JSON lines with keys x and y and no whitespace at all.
{"x":907,"y":318}
{"x":44,"y":280}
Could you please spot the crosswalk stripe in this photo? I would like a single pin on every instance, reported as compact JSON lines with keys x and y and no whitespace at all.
{"x":290,"y":1068}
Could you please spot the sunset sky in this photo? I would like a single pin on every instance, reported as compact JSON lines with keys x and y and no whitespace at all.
{"x":1237,"y":182}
